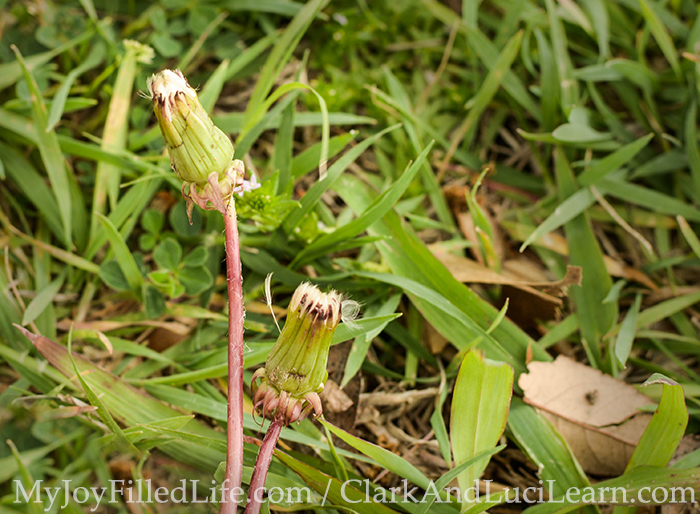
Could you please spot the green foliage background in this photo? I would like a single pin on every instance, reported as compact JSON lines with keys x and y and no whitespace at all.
{"x":583,"y":116}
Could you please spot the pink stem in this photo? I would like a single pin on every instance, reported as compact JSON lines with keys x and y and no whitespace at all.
{"x":262,"y":465}
{"x":234,"y":447}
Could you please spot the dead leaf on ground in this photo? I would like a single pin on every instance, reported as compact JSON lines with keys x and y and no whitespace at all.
{"x":334,"y":399}
{"x":344,"y":418}
{"x":162,"y":338}
{"x":597,"y":414}
{"x":107,"y":326}
{"x":466,"y":225}
{"x":435,"y":341}
{"x":264,"y":309}
{"x":472,"y":272}
{"x":558,"y":243}
{"x":528,"y":311}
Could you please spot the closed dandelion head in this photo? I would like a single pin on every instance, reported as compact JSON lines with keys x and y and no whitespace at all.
{"x":295,"y":371}
{"x":200,"y":152}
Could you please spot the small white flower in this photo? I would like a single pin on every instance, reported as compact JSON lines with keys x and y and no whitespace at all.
{"x":340,"y":19}
{"x":247,"y":185}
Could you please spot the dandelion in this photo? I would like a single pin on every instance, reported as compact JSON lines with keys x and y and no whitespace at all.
{"x":202,"y":156}
{"x":200,"y":152}
{"x":295,"y":371}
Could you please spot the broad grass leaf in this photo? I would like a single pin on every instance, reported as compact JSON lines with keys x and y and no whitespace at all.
{"x":313,"y":195}
{"x":666,"y":428}
{"x":43,"y":299}
{"x":51,"y":154}
{"x":408,"y":257}
{"x":625,"y":337}
{"x":338,"y":493}
{"x":480,"y":404}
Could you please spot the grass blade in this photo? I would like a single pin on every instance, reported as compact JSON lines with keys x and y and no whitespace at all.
{"x":648,"y":198}
{"x":689,"y":235}
{"x":309,"y":158}
{"x":613,"y":162}
{"x":94,"y":58}
{"x":630,"y":486}
{"x":666,"y":428}
{"x":573,"y":206}
{"x":384,"y":458}
{"x":595,"y":317}
{"x":625,"y":338}
{"x":279,"y":56}
{"x":128,"y":405}
{"x":480,"y":405}
{"x":314,"y":193}
{"x":123,"y":254}
{"x":121,"y":442}
{"x":43,"y":299}
{"x":50,"y":152}
{"x":11,"y":72}
{"x":663,"y":39}
{"x":568,"y":84}
{"x":546,"y":448}
{"x":108,"y":176}
{"x":408,"y":257}
{"x":335,"y":491}
{"x":373,"y":213}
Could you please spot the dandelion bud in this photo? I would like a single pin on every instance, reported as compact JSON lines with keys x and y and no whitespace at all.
{"x":196,"y":146}
{"x":200,"y":153}
{"x":295,"y":371}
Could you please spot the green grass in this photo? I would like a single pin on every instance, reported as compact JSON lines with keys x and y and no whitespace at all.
{"x":566,"y":130}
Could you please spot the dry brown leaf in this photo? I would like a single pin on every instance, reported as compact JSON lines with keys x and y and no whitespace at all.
{"x":334,"y":398}
{"x":435,"y":341}
{"x":264,"y":309}
{"x":466,"y":225}
{"x":337,"y":358}
{"x":618,"y":269}
{"x":557,"y":243}
{"x":668,"y":292}
{"x":162,"y":338}
{"x":526,"y":269}
{"x":528,"y":310}
{"x":597,"y":414}
{"x":595,"y":450}
{"x":106,"y":326}
{"x":469,"y":271}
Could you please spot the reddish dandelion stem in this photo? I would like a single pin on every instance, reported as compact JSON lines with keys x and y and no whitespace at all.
{"x":234,"y":447}
{"x":262,"y":464}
